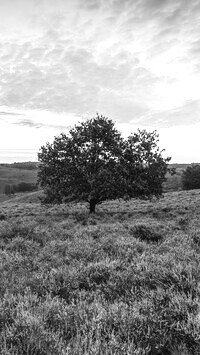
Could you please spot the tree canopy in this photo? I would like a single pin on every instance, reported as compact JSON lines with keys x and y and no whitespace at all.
{"x":94,"y":163}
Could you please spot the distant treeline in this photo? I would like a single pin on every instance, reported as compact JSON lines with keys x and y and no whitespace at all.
{"x":25,"y":165}
{"x":182,"y":166}
{"x":21,"y":187}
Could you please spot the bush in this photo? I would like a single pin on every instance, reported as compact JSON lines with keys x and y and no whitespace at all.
{"x":21,"y":187}
{"x":145,"y":233}
{"x":24,"y":187}
{"x":191,"y":177}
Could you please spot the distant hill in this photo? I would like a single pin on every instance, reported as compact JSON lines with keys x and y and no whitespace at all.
{"x":24,"y":165}
{"x":13,"y":174}
{"x":16,"y":173}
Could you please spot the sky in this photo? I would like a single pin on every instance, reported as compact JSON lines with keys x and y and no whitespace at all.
{"x":134,"y":61}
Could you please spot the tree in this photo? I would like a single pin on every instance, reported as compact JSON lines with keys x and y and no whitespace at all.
{"x":8,"y":190}
{"x":191,"y":177}
{"x":94,"y":163}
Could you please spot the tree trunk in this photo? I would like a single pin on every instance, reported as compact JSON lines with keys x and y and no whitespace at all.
{"x":92,"y":206}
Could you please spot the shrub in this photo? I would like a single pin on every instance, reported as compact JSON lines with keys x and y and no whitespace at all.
{"x":145,"y":233}
{"x":25,"y":187}
{"x":191,"y":178}
{"x":21,"y":187}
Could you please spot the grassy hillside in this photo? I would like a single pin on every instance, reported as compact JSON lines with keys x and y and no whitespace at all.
{"x":123,"y":281}
{"x":13,"y":174}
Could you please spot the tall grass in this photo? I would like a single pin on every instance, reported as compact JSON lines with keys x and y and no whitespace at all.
{"x":124,"y":281}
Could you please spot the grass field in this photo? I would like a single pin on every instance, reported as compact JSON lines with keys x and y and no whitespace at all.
{"x":123,"y":281}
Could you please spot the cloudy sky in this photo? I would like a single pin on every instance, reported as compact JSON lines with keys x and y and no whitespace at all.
{"x":135,"y":61}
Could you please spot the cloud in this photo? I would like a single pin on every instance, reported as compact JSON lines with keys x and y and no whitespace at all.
{"x":34,"y":124}
{"x":91,"y":4}
{"x":120,"y":57}
{"x":71,"y":78}
{"x":5,"y":113}
{"x":179,"y":116}
{"x":28,"y":123}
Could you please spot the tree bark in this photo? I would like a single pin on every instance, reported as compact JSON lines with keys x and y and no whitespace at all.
{"x":92,"y":206}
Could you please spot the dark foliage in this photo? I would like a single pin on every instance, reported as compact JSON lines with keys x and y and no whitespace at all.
{"x":191,"y":177}
{"x":94,"y":163}
{"x":21,"y":187}
{"x":145,"y":233}
{"x":143,"y":166}
{"x":24,"y":187}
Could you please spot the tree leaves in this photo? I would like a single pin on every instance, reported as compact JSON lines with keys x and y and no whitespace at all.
{"x":94,"y":163}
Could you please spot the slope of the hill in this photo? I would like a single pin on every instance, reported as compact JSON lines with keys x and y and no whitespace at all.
{"x":123,"y":281}
{"x":12,"y":174}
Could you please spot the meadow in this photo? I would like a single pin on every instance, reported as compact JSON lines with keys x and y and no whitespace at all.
{"x":123,"y":281}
